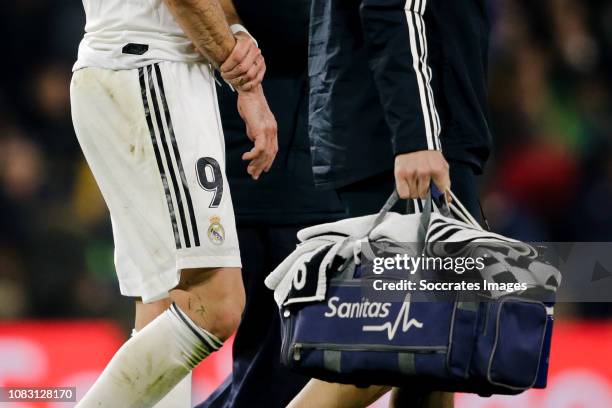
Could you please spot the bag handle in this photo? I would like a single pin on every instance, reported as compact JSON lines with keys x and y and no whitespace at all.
{"x":425,"y":216}
{"x":434,"y":196}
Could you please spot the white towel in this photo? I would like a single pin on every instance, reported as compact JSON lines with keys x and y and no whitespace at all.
{"x":446,"y":236}
{"x":506,"y":260}
{"x":342,"y":239}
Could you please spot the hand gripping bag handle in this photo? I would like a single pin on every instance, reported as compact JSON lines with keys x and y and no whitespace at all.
{"x":425,"y":215}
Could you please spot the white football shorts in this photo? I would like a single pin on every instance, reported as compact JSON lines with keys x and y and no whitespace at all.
{"x":153,"y":139}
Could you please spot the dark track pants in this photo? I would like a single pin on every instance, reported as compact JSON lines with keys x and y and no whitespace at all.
{"x":369,"y":195}
{"x":258,"y":380}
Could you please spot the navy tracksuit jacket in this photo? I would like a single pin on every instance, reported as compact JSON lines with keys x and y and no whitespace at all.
{"x":395,"y":76}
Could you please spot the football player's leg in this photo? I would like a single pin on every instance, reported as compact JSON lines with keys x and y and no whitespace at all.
{"x":147,"y":312}
{"x":212,"y":298}
{"x":180,"y":396}
{"x":206,"y":309}
{"x":322,"y":394}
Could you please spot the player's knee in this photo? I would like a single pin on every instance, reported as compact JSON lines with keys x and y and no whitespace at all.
{"x":225,"y":320}
{"x":225,"y":314}
{"x":213,"y":298}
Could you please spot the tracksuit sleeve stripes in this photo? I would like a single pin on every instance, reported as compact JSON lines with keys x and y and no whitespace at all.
{"x":395,"y":35}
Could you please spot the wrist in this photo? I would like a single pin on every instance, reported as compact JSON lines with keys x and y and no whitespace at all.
{"x":239,"y":28}
{"x":410,"y":148}
{"x":256,"y":91}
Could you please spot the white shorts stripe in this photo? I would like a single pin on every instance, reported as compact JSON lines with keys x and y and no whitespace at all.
{"x":166,"y":159}
{"x":145,"y":87}
{"x":169,"y":159}
{"x":184,"y":196}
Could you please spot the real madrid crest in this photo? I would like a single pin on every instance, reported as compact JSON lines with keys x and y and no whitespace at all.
{"x":216,"y":232}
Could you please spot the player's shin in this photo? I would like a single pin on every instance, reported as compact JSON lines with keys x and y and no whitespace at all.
{"x":179,"y":396}
{"x":152,"y":362}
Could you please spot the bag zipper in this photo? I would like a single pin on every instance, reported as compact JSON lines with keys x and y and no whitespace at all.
{"x":286,"y":340}
{"x":296,"y":349}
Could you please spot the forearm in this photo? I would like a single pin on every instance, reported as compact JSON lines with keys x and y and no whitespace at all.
{"x":230,"y":12}
{"x":205,"y":24}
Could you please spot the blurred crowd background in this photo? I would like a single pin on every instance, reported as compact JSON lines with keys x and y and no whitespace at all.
{"x":550,"y":177}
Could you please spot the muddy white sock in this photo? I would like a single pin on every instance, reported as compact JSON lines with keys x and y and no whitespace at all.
{"x":179,"y":396}
{"x":151,"y":363}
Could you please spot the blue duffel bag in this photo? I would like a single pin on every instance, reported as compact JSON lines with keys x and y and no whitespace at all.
{"x":485,"y":345}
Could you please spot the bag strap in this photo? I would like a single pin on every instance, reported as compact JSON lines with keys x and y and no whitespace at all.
{"x":434,"y":197}
{"x":461,"y":213}
{"x":391,"y":201}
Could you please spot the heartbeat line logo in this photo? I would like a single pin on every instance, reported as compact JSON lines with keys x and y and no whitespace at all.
{"x":403,"y":318}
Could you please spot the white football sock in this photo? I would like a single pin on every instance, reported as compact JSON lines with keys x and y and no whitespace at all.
{"x":151,"y":363}
{"x":179,"y":396}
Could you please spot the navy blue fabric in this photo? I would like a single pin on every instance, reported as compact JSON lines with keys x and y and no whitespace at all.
{"x":310,"y":327}
{"x":497,"y":349}
{"x":504,"y":353}
{"x":461,"y":354}
{"x":365,"y":104}
{"x":349,"y":138}
{"x":391,"y":59}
